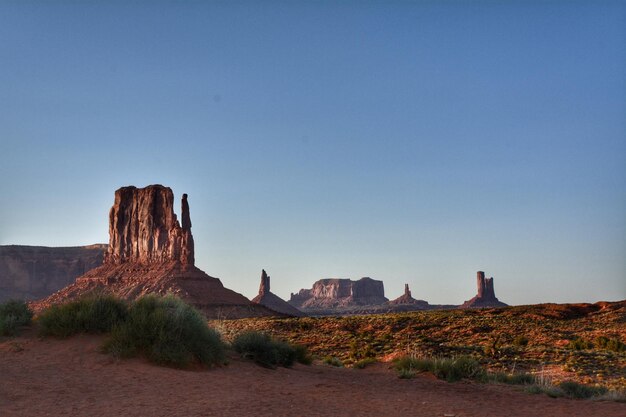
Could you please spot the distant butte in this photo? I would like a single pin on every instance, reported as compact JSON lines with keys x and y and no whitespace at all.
{"x":150,"y":252}
{"x":486,"y":296}
{"x":270,"y":300}
{"x":407,"y":299}
{"x":332,"y":293}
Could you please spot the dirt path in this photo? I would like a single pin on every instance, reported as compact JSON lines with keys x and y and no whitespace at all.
{"x":70,"y":378}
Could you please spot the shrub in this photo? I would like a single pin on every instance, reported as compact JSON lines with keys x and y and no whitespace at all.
{"x":580,"y":344}
{"x":168,"y":332}
{"x":408,"y":366}
{"x":617,"y":395}
{"x":458,"y":368}
{"x":268,"y":352}
{"x":333,"y":361}
{"x":549,"y":390}
{"x":613,"y":344}
{"x":96,"y":313}
{"x":364,"y":362}
{"x":13,"y":314}
{"x":512,"y":379}
{"x":575,"y":390}
{"x":520,"y":341}
{"x":572,"y":389}
{"x":449,"y":369}
{"x":302,"y":355}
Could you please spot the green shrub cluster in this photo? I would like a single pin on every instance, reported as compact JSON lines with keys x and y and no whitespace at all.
{"x":333,"y":361}
{"x":601,"y":342}
{"x":520,"y":341}
{"x":613,"y":344}
{"x":573,"y":389}
{"x":450,"y":369}
{"x":580,"y":344}
{"x":96,"y":313}
{"x":269,"y":352}
{"x":13,"y":315}
{"x":166,"y":331}
{"x":512,"y":379}
{"x":364,"y":362}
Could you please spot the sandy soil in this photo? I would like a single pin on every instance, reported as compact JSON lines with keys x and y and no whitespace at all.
{"x":70,"y":377}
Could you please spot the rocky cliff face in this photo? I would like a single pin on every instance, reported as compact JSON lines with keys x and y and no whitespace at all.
{"x":150,"y":252}
{"x":486,"y":296}
{"x":339,"y":293}
{"x":32,"y":272}
{"x":270,"y":300}
{"x":143,"y":227}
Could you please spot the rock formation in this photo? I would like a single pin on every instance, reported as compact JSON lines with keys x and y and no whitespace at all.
{"x":407,"y":299}
{"x":32,"y":272}
{"x":150,"y":252}
{"x":143,"y":227}
{"x":486,"y":296}
{"x":332,"y":293}
{"x":272,"y":301}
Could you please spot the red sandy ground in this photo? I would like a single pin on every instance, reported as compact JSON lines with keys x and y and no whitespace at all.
{"x":70,"y":378}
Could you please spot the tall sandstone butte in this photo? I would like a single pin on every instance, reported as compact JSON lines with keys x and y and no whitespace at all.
{"x":143,"y":227}
{"x":150,"y":252}
{"x":486,"y":296}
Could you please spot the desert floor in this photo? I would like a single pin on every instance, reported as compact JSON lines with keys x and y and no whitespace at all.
{"x":70,"y":377}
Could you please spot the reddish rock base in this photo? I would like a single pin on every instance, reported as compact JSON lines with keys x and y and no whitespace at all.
{"x":131,"y":280}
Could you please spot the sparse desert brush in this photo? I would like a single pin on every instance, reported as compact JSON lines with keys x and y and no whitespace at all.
{"x":95,"y":313}
{"x":452,"y":333}
{"x":409,"y":366}
{"x":521,"y":378}
{"x":617,"y":395}
{"x":520,"y":341}
{"x":303,"y":355}
{"x":167,"y":331}
{"x":269,"y":352}
{"x":571,"y":389}
{"x":364,"y":362}
{"x":580,"y":344}
{"x":450,"y":369}
{"x":333,"y":361}
{"x":613,"y":344}
{"x":13,"y":315}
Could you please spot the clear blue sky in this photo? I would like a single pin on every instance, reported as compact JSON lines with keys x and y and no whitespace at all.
{"x":413,"y":142}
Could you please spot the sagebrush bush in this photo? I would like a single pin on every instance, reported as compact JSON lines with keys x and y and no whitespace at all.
{"x":613,"y":344}
{"x":451,"y":370}
{"x":268,"y":352}
{"x":580,"y":344}
{"x":520,"y":341}
{"x":96,"y":313}
{"x":512,"y":379}
{"x":166,"y":331}
{"x":333,"y":361}
{"x":364,"y":362}
{"x":13,"y":315}
{"x":575,"y":390}
{"x":302,"y":355}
